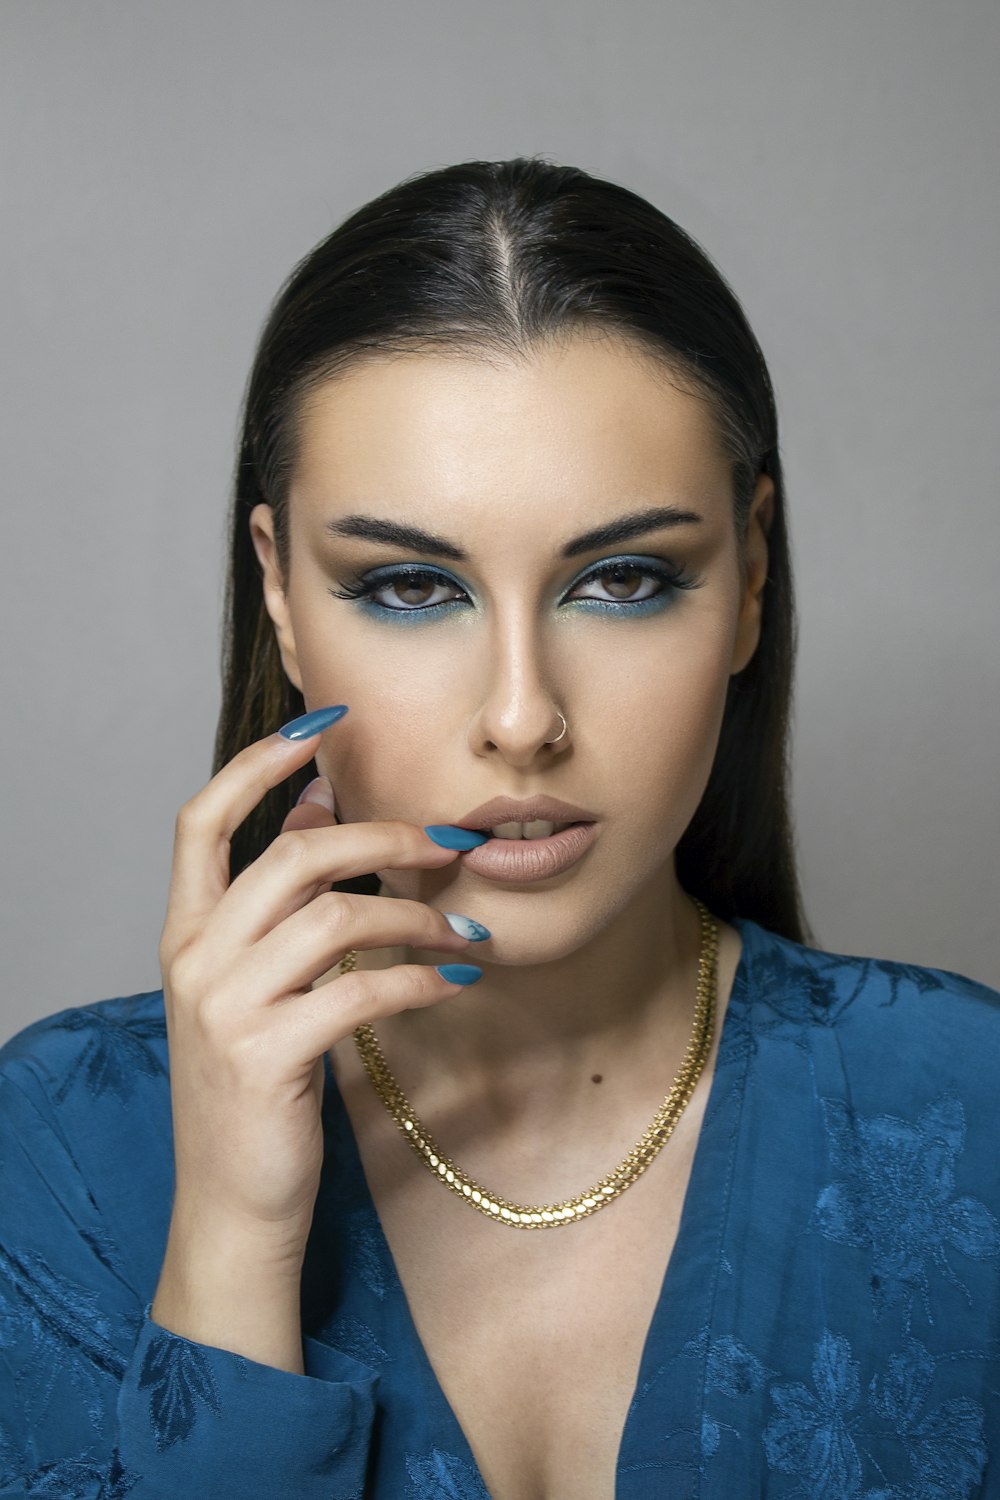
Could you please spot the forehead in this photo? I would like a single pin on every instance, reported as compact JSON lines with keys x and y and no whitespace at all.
{"x":590,"y":416}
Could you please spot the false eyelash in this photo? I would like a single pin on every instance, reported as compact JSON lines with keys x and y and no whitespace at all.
{"x":361,"y":588}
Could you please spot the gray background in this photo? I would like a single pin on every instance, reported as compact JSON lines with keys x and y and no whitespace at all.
{"x":164,"y":165}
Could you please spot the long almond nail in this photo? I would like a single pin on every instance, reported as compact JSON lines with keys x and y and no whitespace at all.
{"x":467,"y":927}
{"x":451,"y":837}
{"x":460,"y":973}
{"x":306,"y":725}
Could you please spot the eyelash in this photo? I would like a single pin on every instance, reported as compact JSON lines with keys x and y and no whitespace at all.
{"x":672,"y":578}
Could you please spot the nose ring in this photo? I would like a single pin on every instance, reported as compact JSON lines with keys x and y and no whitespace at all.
{"x":558,"y":736}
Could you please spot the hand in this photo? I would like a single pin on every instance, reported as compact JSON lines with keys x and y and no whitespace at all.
{"x":246,"y":1032}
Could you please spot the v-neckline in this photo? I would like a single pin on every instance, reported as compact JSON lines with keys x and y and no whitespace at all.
{"x":703,"y":1216}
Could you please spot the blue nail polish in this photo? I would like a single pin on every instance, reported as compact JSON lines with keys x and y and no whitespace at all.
{"x":467,"y":927}
{"x":460,"y":973}
{"x":309,"y":724}
{"x":450,"y":837}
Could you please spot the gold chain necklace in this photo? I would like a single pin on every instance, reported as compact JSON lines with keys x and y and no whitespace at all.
{"x":653,"y":1139}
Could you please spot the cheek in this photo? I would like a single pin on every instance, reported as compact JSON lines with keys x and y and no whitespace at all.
{"x":384,"y":756}
{"x":663,"y":717}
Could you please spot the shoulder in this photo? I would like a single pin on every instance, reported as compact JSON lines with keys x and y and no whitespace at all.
{"x":890,"y":1070}
{"x":86,"y":1140}
{"x":890,"y":1023}
{"x":109,"y":1048}
{"x":833,"y":981}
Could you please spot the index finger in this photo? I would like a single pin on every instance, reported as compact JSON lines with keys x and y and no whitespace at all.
{"x":207,"y":821}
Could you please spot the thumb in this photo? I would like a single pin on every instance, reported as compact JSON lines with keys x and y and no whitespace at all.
{"x":315,"y":807}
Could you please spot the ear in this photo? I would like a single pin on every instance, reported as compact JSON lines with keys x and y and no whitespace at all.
{"x":753,"y":564}
{"x":275,"y":602}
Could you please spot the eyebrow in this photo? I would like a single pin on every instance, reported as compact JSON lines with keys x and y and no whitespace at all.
{"x":395,"y":534}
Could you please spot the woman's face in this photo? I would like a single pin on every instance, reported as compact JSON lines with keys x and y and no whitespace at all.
{"x":455,"y":678}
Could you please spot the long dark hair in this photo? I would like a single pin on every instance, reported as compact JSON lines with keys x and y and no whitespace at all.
{"x":499,"y":256}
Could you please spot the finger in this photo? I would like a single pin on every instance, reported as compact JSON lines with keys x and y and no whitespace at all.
{"x":315,"y":807}
{"x":297,"y":865}
{"x":307,"y":815}
{"x":292,"y":1035}
{"x":310,"y":813}
{"x":206,"y":823}
{"x":318,"y":792}
{"x":309,"y":942}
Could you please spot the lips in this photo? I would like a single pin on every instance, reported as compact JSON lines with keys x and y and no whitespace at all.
{"x":500,"y":810}
{"x":520,"y":861}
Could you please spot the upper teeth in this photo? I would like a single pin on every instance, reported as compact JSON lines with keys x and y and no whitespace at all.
{"x":539,"y":829}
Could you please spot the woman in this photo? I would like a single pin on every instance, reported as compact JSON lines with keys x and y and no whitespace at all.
{"x":649,"y":1199}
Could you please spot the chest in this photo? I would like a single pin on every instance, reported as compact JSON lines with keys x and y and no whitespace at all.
{"x":535,"y":1338}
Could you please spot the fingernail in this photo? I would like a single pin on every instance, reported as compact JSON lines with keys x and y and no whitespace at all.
{"x":460,"y":973}
{"x":304,"y":727}
{"x":467,"y":927}
{"x":318,"y":790}
{"x":450,"y":837}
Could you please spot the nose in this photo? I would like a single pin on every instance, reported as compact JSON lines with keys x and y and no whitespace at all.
{"x":520,"y":709}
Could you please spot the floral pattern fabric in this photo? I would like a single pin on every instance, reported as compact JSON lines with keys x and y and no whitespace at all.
{"x":828,"y":1327}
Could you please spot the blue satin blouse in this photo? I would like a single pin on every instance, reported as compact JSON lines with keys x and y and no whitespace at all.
{"x":828,"y":1325}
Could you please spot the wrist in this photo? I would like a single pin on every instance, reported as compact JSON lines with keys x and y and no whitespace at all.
{"x":223,"y":1243}
{"x":232,"y":1288}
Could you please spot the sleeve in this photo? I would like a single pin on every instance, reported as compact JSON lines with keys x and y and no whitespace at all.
{"x":97,"y":1400}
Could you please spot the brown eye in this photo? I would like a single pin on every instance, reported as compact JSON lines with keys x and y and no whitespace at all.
{"x":411,"y":592}
{"x":624,"y":581}
{"x":412,"y":588}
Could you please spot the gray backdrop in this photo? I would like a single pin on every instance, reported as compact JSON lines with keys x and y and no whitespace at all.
{"x":165,"y":164}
